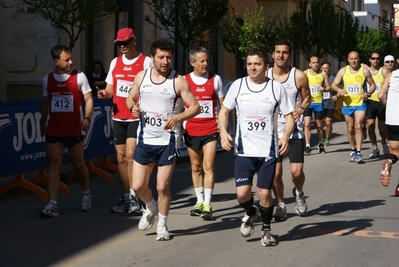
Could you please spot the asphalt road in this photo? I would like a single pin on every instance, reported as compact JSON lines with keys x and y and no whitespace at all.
{"x":351,"y":221}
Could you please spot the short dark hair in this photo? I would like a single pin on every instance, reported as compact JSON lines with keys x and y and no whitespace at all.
{"x":325,"y":62}
{"x":57,"y":50}
{"x":260,"y":53}
{"x":162,"y":44}
{"x":284,"y":42}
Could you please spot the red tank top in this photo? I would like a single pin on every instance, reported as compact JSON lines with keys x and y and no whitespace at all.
{"x":204,"y":123}
{"x":65,"y":103}
{"x":123,"y":76}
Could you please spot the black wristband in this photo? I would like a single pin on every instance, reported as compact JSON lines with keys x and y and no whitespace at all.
{"x":302,"y":108}
{"x":131,"y":109}
{"x":88,"y":119}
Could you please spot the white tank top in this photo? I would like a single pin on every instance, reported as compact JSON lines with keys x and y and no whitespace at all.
{"x":295,"y":97}
{"x":256,"y":106}
{"x":391,"y":113}
{"x":157,"y":102}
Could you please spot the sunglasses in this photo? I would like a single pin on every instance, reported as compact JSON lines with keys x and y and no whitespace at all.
{"x":389,"y":62}
{"x":375,"y":58}
{"x":124,"y":43}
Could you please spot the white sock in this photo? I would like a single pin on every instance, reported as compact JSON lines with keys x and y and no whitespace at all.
{"x":53,"y":202}
{"x":132,"y":192}
{"x":298,"y":193}
{"x":199,"y":192}
{"x":281,"y":204}
{"x":162,"y":219}
{"x":308,"y":145}
{"x":208,"y":195}
{"x":152,"y":206}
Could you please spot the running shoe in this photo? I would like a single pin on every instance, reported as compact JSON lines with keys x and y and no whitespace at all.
{"x":326,"y":141}
{"x":247,"y":223}
{"x":385,"y":175}
{"x":307,"y":151}
{"x":352,"y":156}
{"x":321,"y":148}
{"x":397,"y":191}
{"x":134,"y":206}
{"x":359,"y":158}
{"x":280,"y":214}
{"x":122,"y":206}
{"x":86,"y":202}
{"x":300,"y":203}
{"x":364,"y":133}
{"x":207,"y":213}
{"x":147,"y":220}
{"x":375,"y":153}
{"x":267,"y":239}
{"x":50,"y":210}
{"x":162,"y":233}
{"x":197,"y":211}
{"x":385,"y":148}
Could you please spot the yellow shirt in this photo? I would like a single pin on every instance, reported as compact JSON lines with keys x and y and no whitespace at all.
{"x":379,"y":80}
{"x":353,"y":85}
{"x":315,"y":81}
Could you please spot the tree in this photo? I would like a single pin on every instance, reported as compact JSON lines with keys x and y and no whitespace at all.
{"x":71,"y":16}
{"x":371,"y":40}
{"x":275,"y":29}
{"x":343,"y":38}
{"x":311,"y":27}
{"x":187,"y":20}
{"x":239,"y":35}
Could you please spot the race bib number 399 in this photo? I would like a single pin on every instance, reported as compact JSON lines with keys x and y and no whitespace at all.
{"x":123,"y":88}
{"x":62,"y":103}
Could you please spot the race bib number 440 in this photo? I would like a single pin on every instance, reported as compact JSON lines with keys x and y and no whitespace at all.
{"x":62,"y":103}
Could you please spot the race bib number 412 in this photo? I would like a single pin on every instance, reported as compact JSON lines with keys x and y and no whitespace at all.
{"x":62,"y":103}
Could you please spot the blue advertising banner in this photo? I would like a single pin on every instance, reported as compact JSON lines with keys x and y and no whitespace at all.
{"x":22,"y":144}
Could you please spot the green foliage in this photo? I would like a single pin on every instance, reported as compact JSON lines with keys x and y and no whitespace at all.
{"x":275,"y":29}
{"x":311,"y":27}
{"x":252,"y":30}
{"x":371,"y":40}
{"x":71,"y":16}
{"x":343,"y":35}
{"x":187,"y":20}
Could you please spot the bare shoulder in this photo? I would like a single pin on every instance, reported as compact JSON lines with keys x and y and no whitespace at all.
{"x":181,"y":84}
{"x":300,"y":78}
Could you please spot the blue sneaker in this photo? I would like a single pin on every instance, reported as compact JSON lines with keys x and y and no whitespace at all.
{"x":359,"y":158}
{"x":352,"y":156}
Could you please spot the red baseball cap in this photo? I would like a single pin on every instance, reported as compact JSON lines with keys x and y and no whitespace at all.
{"x":124,"y":34}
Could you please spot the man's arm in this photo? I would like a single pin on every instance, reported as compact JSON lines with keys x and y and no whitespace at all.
{"x":225,"y":138}
{"x":43,"y":119}
{"x":131,"y":103}
{"x":88,"y":98}
{"x":370,"y":81}
{"x":288,"y":129}
{"x":303,"y":85}
{"x":327,"y":85}
{"x":382,"y":94}
{"x":336,"y":85}
{"x":183,"y":90}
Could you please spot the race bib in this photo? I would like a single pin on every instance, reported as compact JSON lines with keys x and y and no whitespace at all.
{"x":62,"y":103}
{"x":314,"y":89}
{"x":326,"y":95}
{"x":353,"y":89}
{"x":206,"y":109}
{"x":123,"y":88}
{"x":255,"y":125}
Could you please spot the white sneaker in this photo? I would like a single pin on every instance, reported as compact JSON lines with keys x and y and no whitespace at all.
{"x":267,"y":239}
{"x":162,"y":232}
{"x":50,"y":210}
{"x":86,"y":202}
{"x":247,"y":223}
{"x":147,"y":220}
